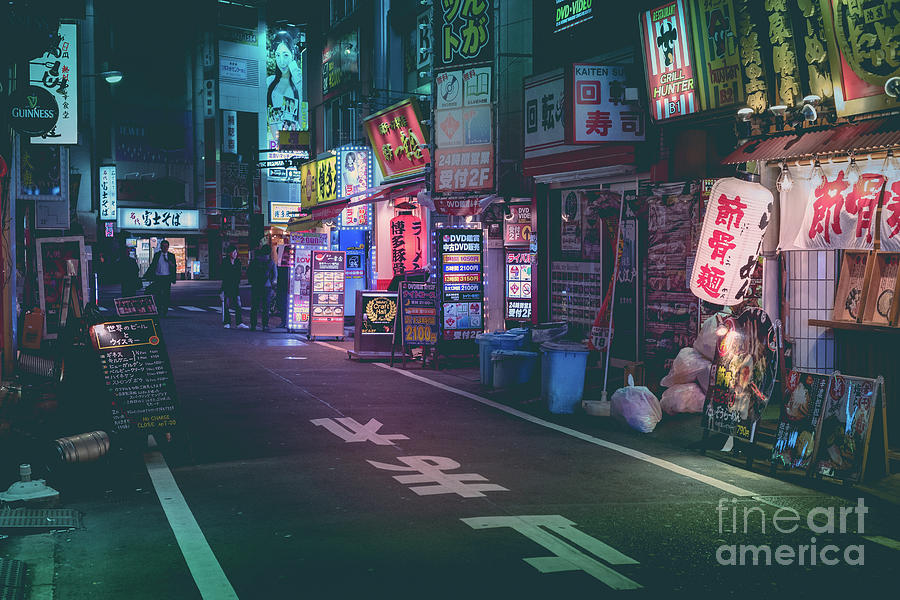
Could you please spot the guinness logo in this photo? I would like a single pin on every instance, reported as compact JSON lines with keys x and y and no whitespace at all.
{"x":33,"y":111}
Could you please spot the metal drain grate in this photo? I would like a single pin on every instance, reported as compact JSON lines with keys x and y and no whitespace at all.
{"x":12,"y":579}
{"x":41,"y":519}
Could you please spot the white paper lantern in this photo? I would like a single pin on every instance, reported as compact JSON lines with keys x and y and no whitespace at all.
{"x":736,"y":219}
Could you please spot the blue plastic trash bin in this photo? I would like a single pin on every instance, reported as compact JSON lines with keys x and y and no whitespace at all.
{"x":525,"y":332}
{"x":513,"y":367}
{"x":562,"y":375}
{"x":487,"y":343}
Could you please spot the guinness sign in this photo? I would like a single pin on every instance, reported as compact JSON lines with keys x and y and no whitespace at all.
{"x":33,"y":111}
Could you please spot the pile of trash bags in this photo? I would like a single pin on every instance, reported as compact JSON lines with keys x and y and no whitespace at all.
{"x":689,"y":378}
{"x":687,"y":383}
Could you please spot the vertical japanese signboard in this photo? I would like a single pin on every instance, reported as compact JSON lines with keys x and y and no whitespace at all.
{"x":309,"y":195}
{"x":396,"y":136}
{"x":418,"y":313}
{"x":598,"y":108}
{"x":720,"y":81}
{"x":667,"y":61}
{"x":463,"y":33}
{"x":407,"y":244}
{"x":744,"y":371}
{"x":229,"y":131}
{"x":519,"y":279}
{"x":353,"y":170}
{"x":327,"y":296}
{"x":300,"y":285}
{"x":56,"y":71}
{"x":326,"y":176}
{"x":460,"y":269}
{"x":730,"y":241}
{"x":108,"y":194}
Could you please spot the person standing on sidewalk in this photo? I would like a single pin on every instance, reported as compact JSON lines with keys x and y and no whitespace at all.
{"x":161,"y":274}
{"x":231,"y":281}
{"x":262,"y":276}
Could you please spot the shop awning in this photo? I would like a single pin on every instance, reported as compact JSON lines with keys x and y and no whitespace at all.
{"x":860,"y":138}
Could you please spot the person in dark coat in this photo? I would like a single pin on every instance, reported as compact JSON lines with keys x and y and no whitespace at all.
{"x":129,"y":274}
{"x":263,"y":277}
{"x":161,"y":273}
{"x":231,"y":281}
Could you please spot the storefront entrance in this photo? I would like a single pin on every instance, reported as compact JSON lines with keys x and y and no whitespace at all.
{"x":145,"y":248}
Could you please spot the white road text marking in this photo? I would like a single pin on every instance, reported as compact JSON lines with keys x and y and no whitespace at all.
{"x":350,"y":430}
{"x":431,"y":470}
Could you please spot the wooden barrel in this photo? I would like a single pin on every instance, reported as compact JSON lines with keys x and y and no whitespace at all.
{"x":85,"y":447}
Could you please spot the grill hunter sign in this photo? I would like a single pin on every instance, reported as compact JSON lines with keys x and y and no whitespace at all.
{"x":668,"y":62}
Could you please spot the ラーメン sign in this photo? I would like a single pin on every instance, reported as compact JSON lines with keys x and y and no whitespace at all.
{"x":733,"y":228}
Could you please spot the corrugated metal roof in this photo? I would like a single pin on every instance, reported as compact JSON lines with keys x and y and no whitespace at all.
{"x":867,"y":136}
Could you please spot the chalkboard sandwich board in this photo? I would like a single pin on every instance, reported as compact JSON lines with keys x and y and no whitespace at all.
{"x":136,"y":375}
{"x":133,"y":306}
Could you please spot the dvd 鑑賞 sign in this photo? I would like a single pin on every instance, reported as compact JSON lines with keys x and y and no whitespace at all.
{"x":744,"y":371}
{"x":460,"y":269}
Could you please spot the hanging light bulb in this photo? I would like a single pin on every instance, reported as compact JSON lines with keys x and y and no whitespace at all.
{"x":817,"y":177}
{"x":853,"y":173}
{"x":784,"y":182}
{"x":890,"y":164}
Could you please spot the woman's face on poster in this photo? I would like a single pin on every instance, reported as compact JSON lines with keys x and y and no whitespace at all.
{"x":283,"y":57}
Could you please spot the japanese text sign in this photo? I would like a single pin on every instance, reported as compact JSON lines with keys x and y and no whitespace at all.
{"x":229,"y":131}
{"x":418,"y":303}
{"x":354,"y":170}
{"x":667,"y":61}
{"x":461,"y":282}
{"x":517,"y":226}
{"x":108,"y":193}
{"x":154,"y":218}
{"x":545,"y":114}
{"x":309,"y":195}
{"x":407,"y":244}
{"x":720,"y":81}
{"x":282,"y":212}
{"x":730,"y":241}
{"x":743,"y":378}
{"x":890,"y":214}
{"x":463,"y":169}
{"x":841,"y":215}
{"x":599,"y":112}
{"x":398,"y":141}
{"x":464,"y":32}
{"x":326,"y":178}
{"x":519,"y":279}
{"x":56,"y":70}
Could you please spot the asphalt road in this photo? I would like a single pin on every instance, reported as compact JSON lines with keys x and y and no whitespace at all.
{"x":304,"y":474}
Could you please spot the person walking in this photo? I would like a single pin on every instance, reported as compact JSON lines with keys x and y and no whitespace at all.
{"x":129,"y":274}
{"x":231,"y":281}
{"x":161,"y":274}
{"x":262,"y":276}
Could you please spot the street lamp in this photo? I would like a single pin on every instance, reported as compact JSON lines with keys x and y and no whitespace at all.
{"x":109,"y":76}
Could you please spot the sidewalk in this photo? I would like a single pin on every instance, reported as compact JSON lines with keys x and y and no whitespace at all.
{"x":682,"y":431}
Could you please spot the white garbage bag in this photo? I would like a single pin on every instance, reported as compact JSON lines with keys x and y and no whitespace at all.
{"x":687,"y":366}
{"x":637,"y":406}
{"x":703,"y":379}
{"x":683,"y":398}
{"x":706,"y":342}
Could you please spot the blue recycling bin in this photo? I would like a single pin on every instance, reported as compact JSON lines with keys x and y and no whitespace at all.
{"x":513,"y":367}
{"x":487,"y":343}
{"x":562,"y":375}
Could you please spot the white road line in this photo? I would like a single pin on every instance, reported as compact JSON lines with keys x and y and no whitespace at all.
{"x":205,"y":569}
{"x":218,"y":309}
{"x":712,"y":481}
{"x":192,"y":308}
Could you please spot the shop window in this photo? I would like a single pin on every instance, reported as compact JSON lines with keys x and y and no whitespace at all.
{"x":342,"y":122}
{"x":810,"y":284}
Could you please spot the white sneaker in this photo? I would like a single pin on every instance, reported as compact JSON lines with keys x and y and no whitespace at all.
{"x":242,"y":326}
{"x":227,"y":326}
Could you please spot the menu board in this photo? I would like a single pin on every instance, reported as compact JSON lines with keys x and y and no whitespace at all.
{"x":136,"y":305}
{"x":136,"y":375}
{"x":327,"y":295}
{"x":745,"y":365}
{"x":795,"y":438}
{"x":418,"y":313}
{"x":52,"y":257}
{"x":460,"y":267}
{"x":843,"y":431}
{"x":379,"y":313}
{"x":519,"y":278}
